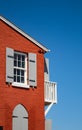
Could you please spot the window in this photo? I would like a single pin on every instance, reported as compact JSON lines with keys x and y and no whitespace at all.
{"x":1,"y":127}
{"x":20,"y":70}
{"x":20,"y":67}
{"x":17,"y":66}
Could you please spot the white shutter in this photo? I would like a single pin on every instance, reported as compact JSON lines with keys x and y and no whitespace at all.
{"x":32,"y":69}
{"x":9,"y":65}
{"x":46,"y":69}
{"x":20,"y":118}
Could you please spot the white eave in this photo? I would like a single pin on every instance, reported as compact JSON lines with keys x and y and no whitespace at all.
{"x":24,"y":34}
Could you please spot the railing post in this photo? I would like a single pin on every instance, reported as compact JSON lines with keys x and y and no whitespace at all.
{"x":56,"y":93}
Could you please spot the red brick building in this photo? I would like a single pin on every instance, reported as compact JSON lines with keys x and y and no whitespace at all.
{"x":23,"y":89}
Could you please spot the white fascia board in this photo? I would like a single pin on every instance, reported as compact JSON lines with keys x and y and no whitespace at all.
{"x":24,"y":34}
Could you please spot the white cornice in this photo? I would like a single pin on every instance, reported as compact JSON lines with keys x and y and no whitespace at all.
{"x":24,"y":34}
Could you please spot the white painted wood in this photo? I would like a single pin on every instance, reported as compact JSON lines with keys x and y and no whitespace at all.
{"x":9,"y":65}
{"x":20,"y":118}
{"x":32,"y":69}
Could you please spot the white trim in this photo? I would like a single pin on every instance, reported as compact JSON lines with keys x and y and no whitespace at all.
{"x":26,"y":73}
{"x":17,"y":52}
{"x":24,"y":34}
{"x":21,"y":85}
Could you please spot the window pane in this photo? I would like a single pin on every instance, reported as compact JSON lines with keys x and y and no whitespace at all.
{"x":22,"y":79}
{"x":19,"y":63}
{"x":23,"y":64}
{"x":18,"y":72}
{"x":19,"y":57}
{"x":15,"y":56}
{"x":14,"y":78}
{"x":18,"y":78}
{"x":22,"y":72}
{"x":23,"y":58}
{"x":15,"y":63}
{"x":15,"y":71}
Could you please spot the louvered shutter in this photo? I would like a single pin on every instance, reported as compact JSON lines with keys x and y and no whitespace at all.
{"x":9,"y":65}
{"x":46,"y":69}
{"x":32,"y":69}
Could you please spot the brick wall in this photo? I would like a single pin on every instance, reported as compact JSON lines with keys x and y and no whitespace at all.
{"x":31,"y":99}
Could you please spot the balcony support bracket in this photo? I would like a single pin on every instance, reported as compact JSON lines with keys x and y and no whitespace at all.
{"x":48,"y":108}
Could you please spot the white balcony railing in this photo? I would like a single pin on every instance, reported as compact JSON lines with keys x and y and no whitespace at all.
{"x":50,"y":92}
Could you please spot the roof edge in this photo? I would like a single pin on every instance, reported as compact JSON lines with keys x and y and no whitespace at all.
{"x":24,"y":34}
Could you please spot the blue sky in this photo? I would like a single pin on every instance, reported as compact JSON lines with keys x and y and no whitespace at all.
{"x":57,"y":24}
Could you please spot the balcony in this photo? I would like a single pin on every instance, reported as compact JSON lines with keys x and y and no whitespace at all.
{"x":50,"y":92}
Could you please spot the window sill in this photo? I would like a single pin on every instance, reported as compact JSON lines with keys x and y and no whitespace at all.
{"x":20,"y":85}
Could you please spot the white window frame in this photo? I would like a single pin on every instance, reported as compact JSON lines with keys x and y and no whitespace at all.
{"x":19,"y":84}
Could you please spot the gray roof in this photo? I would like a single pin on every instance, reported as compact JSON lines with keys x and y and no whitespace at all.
{"x":24,"y":34}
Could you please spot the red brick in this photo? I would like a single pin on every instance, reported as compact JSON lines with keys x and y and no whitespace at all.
{"x":32,"y":99}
